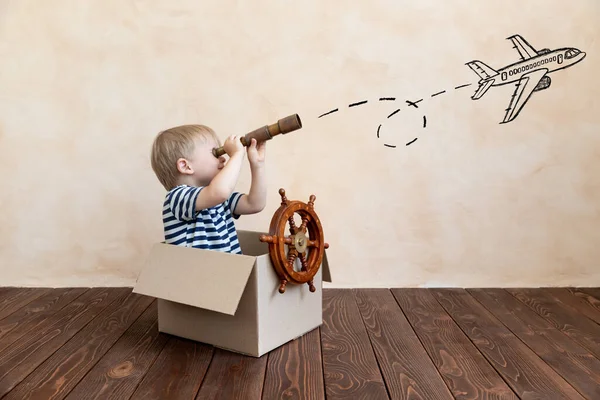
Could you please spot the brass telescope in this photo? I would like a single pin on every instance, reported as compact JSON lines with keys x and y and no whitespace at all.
{"x":283,"y":126}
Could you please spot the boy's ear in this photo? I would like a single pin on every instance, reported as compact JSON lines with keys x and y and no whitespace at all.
{"x":184,"y":167}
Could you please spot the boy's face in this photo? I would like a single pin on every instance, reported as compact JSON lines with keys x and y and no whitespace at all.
{"x":203,"y":166}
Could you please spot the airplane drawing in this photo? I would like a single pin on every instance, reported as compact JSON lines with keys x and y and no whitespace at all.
{"x":530,"y":73}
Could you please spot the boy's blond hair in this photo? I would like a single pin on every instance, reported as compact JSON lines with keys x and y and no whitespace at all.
{"x":172,"y":144}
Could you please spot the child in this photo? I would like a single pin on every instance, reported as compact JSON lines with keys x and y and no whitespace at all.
{"x":201,"y":204}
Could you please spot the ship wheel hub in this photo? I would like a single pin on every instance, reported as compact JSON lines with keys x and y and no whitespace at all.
{"x":300,"y":242}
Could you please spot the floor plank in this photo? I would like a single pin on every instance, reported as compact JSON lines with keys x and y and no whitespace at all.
{"x":61,"y":372}
{"x":34,"y":314}
{"x":349,"y":363}
{"x":18,"y":298}
{"x":295,"y":370}
{"x":177,"y":372}
{"x":562,"y":316}
{"x":233,"y":376}
{"x":24,"y":356}
{"x":407,"y":369}
{"x":6,"y":291}
{"x":119,"y":372}
{"x":520,"y":367}
{"x":466,"y":372}
{"x":572,"y":361}
{"x":587,"y":303}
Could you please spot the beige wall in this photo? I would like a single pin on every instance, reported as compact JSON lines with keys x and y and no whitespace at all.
{"x":470,"y":203}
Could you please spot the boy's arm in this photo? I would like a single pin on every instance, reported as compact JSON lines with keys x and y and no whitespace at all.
{"x":222,"y":185}
{"x":256,"y":199}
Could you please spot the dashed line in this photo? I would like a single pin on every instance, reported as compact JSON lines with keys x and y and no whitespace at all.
{"x":412,"y":141}
{"x":393,"y":113}
{"x":327,"y":113}
{"x":358,"y":103}
{"x":410,"y":103}
{"x":414,"y":103}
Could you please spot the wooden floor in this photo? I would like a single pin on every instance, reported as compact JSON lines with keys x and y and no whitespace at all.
{"x":102,"y":343}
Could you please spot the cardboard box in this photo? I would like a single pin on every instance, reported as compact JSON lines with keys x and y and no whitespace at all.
{"x":230,"y":301}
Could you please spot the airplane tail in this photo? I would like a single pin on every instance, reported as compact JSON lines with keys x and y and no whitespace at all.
{"x":481,"y":69}
{"x":486,"y":74}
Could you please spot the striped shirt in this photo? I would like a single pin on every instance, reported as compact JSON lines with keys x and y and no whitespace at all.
{"x":210,"y":229}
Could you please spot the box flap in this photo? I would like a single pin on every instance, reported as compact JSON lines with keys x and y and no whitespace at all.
{"x":251,"y":244}
{"x":207,"y":279}
{"x":326,"y":273}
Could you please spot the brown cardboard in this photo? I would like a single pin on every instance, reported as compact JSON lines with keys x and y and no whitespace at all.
{"x":213,"y":281}
{"x":230,"y":301}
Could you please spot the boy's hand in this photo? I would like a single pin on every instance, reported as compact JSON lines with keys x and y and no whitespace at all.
{"x":232,"y":145}
{"x":256,"y":152}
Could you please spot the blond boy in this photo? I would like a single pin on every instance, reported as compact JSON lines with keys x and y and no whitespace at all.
{"x":201,"y":204}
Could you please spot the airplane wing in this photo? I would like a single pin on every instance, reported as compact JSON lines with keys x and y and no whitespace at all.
{"x":523,"y":90}
{"x":525,"y":49}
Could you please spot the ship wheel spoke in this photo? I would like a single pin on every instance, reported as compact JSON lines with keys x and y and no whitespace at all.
{"x":293,"y":227}
{"x":303,"y":261}
{"x":268,"y":239}
{"x":292,"y":255}
{"x":284,"y":200}
{"x":310,"y":283}
{"x":303,"y":226}
{"x":315,"y":243}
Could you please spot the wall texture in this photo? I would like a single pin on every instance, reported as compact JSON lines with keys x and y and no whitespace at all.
{"x":85,"y":86}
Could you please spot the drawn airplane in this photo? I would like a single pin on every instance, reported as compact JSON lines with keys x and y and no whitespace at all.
{"x":530,"y":73}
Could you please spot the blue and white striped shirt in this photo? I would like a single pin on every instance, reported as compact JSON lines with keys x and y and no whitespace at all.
{"x":211,"y":228}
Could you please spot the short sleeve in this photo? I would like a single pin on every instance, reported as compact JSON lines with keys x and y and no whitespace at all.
{"x":232,"y":202}
{"x":182,"y":201}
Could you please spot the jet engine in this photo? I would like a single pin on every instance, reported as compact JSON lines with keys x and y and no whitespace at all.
{"x":544,"y":83}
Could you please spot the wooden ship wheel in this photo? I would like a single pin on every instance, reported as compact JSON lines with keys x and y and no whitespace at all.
{"x":303,"y":239}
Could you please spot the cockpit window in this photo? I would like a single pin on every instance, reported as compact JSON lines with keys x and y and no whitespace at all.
{"x":571,"y":53}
